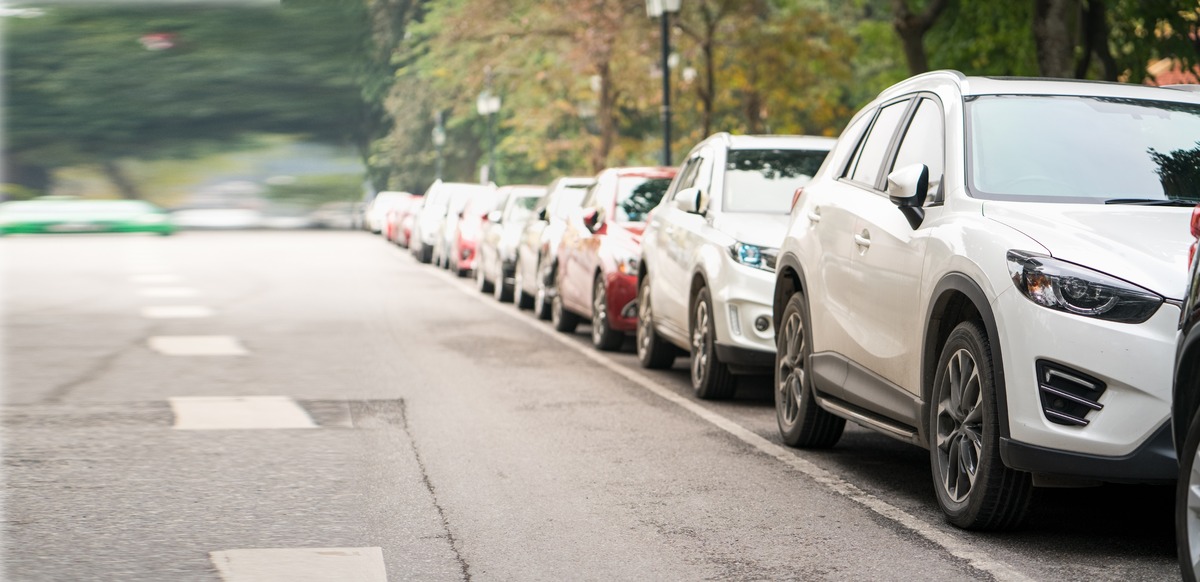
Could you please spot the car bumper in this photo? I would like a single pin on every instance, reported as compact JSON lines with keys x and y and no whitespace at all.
{"x":742,"y":312}
{"x":1130,"y":365}
{"x":621,"y":292}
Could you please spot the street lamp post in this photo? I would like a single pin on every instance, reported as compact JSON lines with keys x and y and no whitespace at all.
{"x":439,"y":140}
{"x":488,"y":104}
{"x":662,"y":9}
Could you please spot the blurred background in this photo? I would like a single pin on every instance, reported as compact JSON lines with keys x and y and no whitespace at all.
{"x":296,"y":112}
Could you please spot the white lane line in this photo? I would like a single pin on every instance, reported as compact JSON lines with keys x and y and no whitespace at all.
{"x":153,"y":279}
{"x":300,"y":565}
{"x":238,"y":413}
{"x":173,"y":292}
{"x":978,"y":559}
{"x":197,"y":345}
{"x":176,"y":312}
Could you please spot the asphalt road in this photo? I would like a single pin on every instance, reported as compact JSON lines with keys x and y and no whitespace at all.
{"x":395,"y":422}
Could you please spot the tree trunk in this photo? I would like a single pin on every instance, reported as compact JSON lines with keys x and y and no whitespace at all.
{"x":1095,"y":41}
{"x":129,"y":190}
{"x":1052,"y":36}
{"x":911,"y":29}
{"x":607,"y":118}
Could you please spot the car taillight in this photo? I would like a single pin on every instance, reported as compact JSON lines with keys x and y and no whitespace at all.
{"x":800,"y":190}
{"x":1195,"y":228}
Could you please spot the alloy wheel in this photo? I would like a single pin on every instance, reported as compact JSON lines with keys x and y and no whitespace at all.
{"x":791,"y":369}
{"x":959,"y":425}
{"x":1192,"y":516}
{"x":700,"y":343}
{"x":599,"y":312}
{"x":644,"y":331}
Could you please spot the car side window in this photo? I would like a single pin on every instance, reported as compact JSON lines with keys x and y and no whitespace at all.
{"x":924,"y":143}
{"x":875,"y":145}
{"x":687,"y":176}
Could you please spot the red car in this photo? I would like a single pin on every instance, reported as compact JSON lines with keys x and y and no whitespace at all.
{"x":394,"y":217}
{"x":598,"y":256}
{"x":468,"y":233}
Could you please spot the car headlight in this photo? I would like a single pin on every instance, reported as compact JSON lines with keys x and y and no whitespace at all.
{"x":1068,"y":287}
{"x":627,"y":265}
{"x":755,"y":256}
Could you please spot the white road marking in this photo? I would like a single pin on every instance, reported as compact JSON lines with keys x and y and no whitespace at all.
{"x":155,"y":279}
{"x":952,"y":544}
{"x":300,"y":565}
{"x":173,"y":292}
{"x":197,"y":345}
{"x":176,"y":312}
{"x":238,"y":413}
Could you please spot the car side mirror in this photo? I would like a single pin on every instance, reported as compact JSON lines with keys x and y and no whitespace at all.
{"x":493,"y":216}
{"x":688,"y":200}
{"x":541,"y":214}
{"x":591,"y":219}
{"x":907,"y":188}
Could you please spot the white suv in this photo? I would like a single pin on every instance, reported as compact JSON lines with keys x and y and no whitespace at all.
{"x":992,"y":269}
{"x":708,"y":256}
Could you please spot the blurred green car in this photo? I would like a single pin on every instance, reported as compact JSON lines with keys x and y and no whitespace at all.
{"x":75,"y":215}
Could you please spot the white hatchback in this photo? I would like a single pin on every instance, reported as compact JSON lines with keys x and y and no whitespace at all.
{"x":706,"y":274}
{"x":992,"y":269}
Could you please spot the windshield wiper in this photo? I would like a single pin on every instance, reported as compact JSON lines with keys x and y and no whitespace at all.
{"x":1153,"y":201}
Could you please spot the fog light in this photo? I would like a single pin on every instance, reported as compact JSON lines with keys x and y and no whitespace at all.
{"x":735,"y":320}
{"x":630,"y":310}
{"x":762,"y":323}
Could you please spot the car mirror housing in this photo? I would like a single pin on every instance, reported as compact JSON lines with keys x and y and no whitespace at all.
{"x":592,"y":219}
{"x":688,"y":200}
{"x":494,"y":216}
{"x":907,"y":188}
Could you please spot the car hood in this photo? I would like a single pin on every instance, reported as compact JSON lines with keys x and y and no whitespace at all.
{"x":761,"y":229}
{"x":1145,"y":245}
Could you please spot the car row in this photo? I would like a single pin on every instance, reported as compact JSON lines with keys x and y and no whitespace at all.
{"x":993,"y":269}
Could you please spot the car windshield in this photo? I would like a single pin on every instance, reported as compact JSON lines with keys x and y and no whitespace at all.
{"x":1083,"y":149}
{"x":522,"y":208}
{"x":637,"y":195}
{"x":568,"y":197}
{"x":765,"y":180}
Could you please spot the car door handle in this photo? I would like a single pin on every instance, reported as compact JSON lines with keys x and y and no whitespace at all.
{"x":863,"y":240}
{"x":815,"y":214}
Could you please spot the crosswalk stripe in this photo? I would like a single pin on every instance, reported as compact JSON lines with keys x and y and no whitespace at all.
{"x":238,"y":413}
{"x":168,"y":292}
{"x":197,"y":345}
{"x":176,"y":312}
{"x":300,"y":565}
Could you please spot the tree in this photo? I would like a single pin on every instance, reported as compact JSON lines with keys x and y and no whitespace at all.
{"x":97,"y":85}
{"x":911,"y":28}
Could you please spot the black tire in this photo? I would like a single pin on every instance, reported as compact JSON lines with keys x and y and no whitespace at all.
{"x":1187,"y":504}
{"x":425,"y":253}
{"x":711,"y":378}
{"x":521,"y":299}
{"x":543,"y":300}
{"x":802,"y":422}
{"x":481,"y":280}
{"x":604,"y":337}
{"x":653,"y":352}
{"x":563,"y":320}
{"x":964,"y":420}
{"x":502,"y":291}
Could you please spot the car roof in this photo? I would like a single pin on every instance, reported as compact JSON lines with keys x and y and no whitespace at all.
{"x":777,"y":142}
{"x":977,"y":86}
{"x":644,"y":171}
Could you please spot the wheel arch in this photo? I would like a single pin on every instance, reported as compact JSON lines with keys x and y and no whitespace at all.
{"x":1186,"y":387}
{"x":789,"y":278}
{"x":957,"y":298}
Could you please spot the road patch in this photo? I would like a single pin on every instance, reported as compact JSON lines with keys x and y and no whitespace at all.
{"x":238,"y":413}
{"x":197,"y":345}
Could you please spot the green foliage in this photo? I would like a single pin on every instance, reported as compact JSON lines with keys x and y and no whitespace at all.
{"x":84,"y":88}
{"x":312,"y":191}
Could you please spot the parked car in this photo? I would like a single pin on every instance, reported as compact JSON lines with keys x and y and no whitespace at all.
{"x":992,"y":269}
{"x":393,"y":221}
{"x":459,"y":196}
{"x":598,"y":256}
{"x":708,"y":257}
{"x":427,"y":233}
{"x":336,"y":215}
{"x":1185,"y":418}
{"x":502,"y":233}
{"x":469,"y":230}
{"x":67,"y":214}
{"x":378,"y":208}
{"x":537,"y":249}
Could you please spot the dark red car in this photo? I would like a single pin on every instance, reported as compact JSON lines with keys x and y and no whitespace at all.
{"x":598,"y":256}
